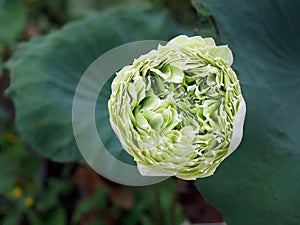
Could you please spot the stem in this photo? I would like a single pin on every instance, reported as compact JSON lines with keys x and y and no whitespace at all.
{"x":195,"y":207}
{"x":157,"y":208}
{"x":173,"y":207}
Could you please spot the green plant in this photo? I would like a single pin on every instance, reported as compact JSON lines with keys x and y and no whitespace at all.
{"x":153,"y":203}
{"x":25,"y":198}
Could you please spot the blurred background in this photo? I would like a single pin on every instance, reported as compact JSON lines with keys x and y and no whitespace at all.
{"x":45,"y":46}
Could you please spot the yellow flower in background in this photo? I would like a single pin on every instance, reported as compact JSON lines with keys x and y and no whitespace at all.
{"x":16,"y":192}
{"x":10,"y":137}
{"x":29,"y":202}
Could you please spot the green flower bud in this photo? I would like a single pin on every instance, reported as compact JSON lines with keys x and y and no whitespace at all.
{"x":178,"y":110}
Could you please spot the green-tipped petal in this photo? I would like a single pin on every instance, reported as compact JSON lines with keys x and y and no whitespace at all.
{"x":178,"y":110}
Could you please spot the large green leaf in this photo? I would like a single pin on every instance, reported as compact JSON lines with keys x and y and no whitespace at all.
{"x":45,"y":72}
{"x":259,"y":184}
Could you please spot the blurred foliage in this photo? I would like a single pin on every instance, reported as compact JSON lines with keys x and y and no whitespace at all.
{"x":154,"y":203}
{"x":25,"y":196}
{"x":12,"y":20}
{"x":43,"y":75}
{"x":39,"y":195}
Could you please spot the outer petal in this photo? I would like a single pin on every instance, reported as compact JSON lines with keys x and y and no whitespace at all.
{"x":152,"y":171}
{"x":238,"y":124}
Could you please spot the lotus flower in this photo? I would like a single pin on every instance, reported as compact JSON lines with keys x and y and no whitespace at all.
{"x":178,"y":110}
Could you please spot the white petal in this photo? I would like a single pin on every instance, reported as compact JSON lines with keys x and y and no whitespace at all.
{"x":152,"y":171}
{"x":238,"y":124}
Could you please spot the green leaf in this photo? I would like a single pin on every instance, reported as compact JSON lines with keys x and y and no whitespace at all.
{"x":12,"y":218}
{"x":259,"y":184}
{"x":12,"y":20}
{"x":97,"y":200}
{"x":50,"y":196}
{"x":58,"y":216}
{"x":33,"y":218}
{"x":45,"y":72}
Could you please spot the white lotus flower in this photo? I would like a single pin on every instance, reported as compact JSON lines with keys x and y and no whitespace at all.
{"x":178,"y":110}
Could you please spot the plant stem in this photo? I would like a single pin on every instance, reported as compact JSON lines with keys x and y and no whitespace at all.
{"x":173,"y":207}
{"x":157,"y":208}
